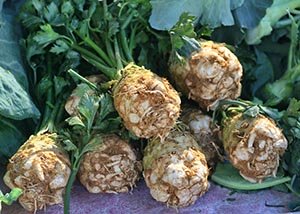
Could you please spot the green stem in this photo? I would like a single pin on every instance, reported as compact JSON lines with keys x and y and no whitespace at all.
{"x":132,"y":39}
{"x":125,"y":46}
{"x":127,"y":21}
{"x":109,"y":72}
{"x":71,"y":180}
{"x":76,"y":75}
{"x":109,"y":49}
{"x":47,"y":111}
{"x":118,"y":56}
{"x":87,"y":53}
{"x":94,"y":46}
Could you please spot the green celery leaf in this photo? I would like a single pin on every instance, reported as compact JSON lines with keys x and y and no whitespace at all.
{"x":46,"y":35}
{"x":59,"y":84}
{"x":277,"y":10}
{"x":92,"y":144}
{"x":60,"y":47}
{"x":213,"y":13}
{"x":88,"y":107}
{"x":110,"y":125}
{"x":15,"y":102}
{"x":69,"y":146}
{"x":67,"y":8}
{"x":227,"y":176}
{"x":75,"y":121}
{"x":106,"y":106}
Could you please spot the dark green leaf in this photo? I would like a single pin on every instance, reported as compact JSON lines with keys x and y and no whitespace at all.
{"x":75,"y":121}
{"x":60,"y":47}
{"x":232,"y":35}
{"x":15,"y":102}
{"x":67,"y":8}
{"x":59,"y":84}
{"x":277,"y":10}
{"x":227,"y":176}
{"x":251,"y":12}
{"x":88,"y":107}
{"x":69,"y":146}
{"x":92,"y":144}
{"x":110,"y":125}
{"x":46,"y":35}
{"x":11,"y":138}
{"x":106,"y":106}
{"x":51,"y":12}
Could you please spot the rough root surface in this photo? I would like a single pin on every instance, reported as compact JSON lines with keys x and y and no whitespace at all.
{"x":175,"y":170}
{"x":111,"y":168}
{"x":41,"y":169}
{"x":212,"y":74}
{"x":254,"y":146}
{"x":205,"y":134}
{"x":74,"y":99}
{"x":147,"y":103}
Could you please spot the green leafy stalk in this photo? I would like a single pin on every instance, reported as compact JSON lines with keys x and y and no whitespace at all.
{"x":282,"y":89}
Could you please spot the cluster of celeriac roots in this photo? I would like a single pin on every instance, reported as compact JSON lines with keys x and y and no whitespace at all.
{"x":176,"y":161}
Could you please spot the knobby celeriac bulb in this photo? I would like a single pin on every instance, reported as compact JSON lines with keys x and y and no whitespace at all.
{"x":175,"y":170}
{"x":201,"y":126}
{"x":147,"y":103}
{"x":112,"y":167}
{"x":41,"y":168}
{"x":254,"y":145}
{"x":209,"y":75}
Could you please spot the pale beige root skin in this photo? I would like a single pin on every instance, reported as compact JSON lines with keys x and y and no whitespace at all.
{"x":175,"y":170}
{"x":212,"y":74}
{"x":206,"y":135}
{"x":73,"y":101}
{"x":41,"y":168}
{"x":147,"y":103}
{"x":254,"y":146}
{"x":111,"y":168}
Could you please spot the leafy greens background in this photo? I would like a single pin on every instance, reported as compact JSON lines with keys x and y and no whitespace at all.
{"x":16,"y":106}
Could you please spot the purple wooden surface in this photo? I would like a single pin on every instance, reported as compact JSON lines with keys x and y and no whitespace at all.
{"x":216,"y":200}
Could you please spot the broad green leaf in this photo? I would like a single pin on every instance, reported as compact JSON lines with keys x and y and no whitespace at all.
{"x":11,"y":138}
{"x":213,"y":13}
{"x":10,"y":53}
{"x":251,"y":12}
{"x":277,"y":10}
{"x":15,"y":102}
{"x":227,"y":176}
